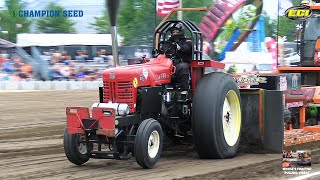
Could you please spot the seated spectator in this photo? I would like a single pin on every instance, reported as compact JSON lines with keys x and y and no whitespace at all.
{"x":26,"y":68}
{"x":85,"y":55}
{"x":65,"y":57}
{"x":98,"y":58}
{"x":138,"y":53}
{"x":7,"y":66}
{"x":103,"y":54}
{"x":80,"y":76}
{"x":89,"y":75}
{"x":79,"y":57}
{"x":146,"y":53}
{"x":46,"y":57}
{"x":65,"y":70}
{"x":72,"y":72}
{"x":17,"y":64}
{"x":4,"y":54}
{"x":54,"y":74}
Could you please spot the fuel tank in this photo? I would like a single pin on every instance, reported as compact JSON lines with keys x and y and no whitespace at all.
{"x":157,"y":71}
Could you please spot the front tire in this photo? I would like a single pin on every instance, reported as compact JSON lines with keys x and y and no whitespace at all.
{"x":74,"y":148}
{"x":216,"y":116}
{"x":148,"y":143}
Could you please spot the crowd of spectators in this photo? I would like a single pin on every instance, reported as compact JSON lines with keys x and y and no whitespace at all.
{"x":13,"y":68}
{"x":61,"y":65}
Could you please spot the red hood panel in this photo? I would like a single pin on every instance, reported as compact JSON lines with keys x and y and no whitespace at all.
{"x":155,"y":72}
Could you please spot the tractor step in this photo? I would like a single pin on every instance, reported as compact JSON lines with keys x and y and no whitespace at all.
{"x":102,"y":154}
{"x":109,"y":155}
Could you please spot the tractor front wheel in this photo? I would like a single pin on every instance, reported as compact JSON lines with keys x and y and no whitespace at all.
{"x":216,"y":116}
{"x":148,"y":143}
{"x":75,"y":148}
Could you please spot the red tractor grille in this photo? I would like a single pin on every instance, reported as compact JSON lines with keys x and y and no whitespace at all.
{"x":119,"y":92}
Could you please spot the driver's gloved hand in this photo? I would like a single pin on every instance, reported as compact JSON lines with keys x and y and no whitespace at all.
{"x":178,"y":47}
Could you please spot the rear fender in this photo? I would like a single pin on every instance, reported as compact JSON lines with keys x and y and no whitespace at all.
{"x":262,"y":121}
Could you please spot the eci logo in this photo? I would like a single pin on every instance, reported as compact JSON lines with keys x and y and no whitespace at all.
{"x":298,"y":12}
{"x":47,"y":13}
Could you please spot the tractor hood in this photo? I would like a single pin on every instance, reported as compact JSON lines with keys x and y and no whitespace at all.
{"x":157,"y":71}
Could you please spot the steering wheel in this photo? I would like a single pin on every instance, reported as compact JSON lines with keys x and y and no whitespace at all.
{"x":168,"y":48}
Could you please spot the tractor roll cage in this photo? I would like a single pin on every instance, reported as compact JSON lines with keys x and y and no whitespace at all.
{"x":196,"y":36}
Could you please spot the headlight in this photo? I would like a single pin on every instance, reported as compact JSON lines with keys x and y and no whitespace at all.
{"x":123,"y":109}
{"x":120,"y":109}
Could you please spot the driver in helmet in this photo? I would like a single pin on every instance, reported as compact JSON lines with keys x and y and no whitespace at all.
{"x":182,"y":56}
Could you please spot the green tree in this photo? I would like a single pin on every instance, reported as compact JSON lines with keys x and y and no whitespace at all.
{"x":195,"y":16}
{"x":138,"y":19}
{"x":270,"y":25}
{"x":132,"y":20}
{"x":55,"y":24}
{"x":287,"y":27}
{"x":101,"y":24}
{"x":10,"y":23}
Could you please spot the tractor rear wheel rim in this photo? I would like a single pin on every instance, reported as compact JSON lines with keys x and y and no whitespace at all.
{"x":153,"y":144}
{"x":231,"y":118}
{"x":82,"y":148}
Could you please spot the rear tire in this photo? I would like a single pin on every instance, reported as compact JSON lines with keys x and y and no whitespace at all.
{"x":148,"y":143}
{"x":216,"y":116}
{"x":75,"y":151}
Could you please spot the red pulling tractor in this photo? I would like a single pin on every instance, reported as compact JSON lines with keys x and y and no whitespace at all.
{"x":140,"y":103}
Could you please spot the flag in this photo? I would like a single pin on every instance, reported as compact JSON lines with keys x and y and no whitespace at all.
{"x":165,"y":6}
{"x":283,"y":6}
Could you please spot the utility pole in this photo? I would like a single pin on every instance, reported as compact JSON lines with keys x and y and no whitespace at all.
{"x":179,"y":13}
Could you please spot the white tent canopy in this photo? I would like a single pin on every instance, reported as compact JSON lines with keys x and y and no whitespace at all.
{"x":248,"y":58}
{"x":24,"y":40}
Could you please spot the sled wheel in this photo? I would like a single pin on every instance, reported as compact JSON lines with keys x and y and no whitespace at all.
{"x":148,"y":143}
{"x":216,"y":116}
{"x":75,"y":148}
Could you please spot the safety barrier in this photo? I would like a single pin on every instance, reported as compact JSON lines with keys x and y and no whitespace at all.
{"x":50,"y":85}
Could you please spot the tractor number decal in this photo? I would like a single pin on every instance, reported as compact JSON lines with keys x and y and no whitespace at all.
{"x":250,"y":80}
{"x":145,"y":73}
{"x":135,"y":82}
{"x":298,"y":12}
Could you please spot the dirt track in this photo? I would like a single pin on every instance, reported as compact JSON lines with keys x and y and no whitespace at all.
{"x":31,"y":128}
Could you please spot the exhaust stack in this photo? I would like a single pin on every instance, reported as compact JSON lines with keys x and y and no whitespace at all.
{"x":113,"y":6}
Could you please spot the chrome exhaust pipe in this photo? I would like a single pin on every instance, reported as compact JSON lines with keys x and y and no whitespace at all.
{"x":113,"y":6}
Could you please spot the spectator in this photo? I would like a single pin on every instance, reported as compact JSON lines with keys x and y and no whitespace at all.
{"x":65,"y":57}
{"x":54,"y":73}
{"x":79,"y":57}
{"x":7,"y":66}
{"x":97,"y":58}
{"x":146,"y":53}
{"x":46,"y":57}
{"x":103,"y":54}
{"x":80,"y":76}
{"x":110,"y":63}
{"x":85,"y":55}
{"x":138,"y":53}
{"x":65,"y":70}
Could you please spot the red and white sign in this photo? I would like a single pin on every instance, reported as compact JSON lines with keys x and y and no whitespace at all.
{"x":165,"y":6}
